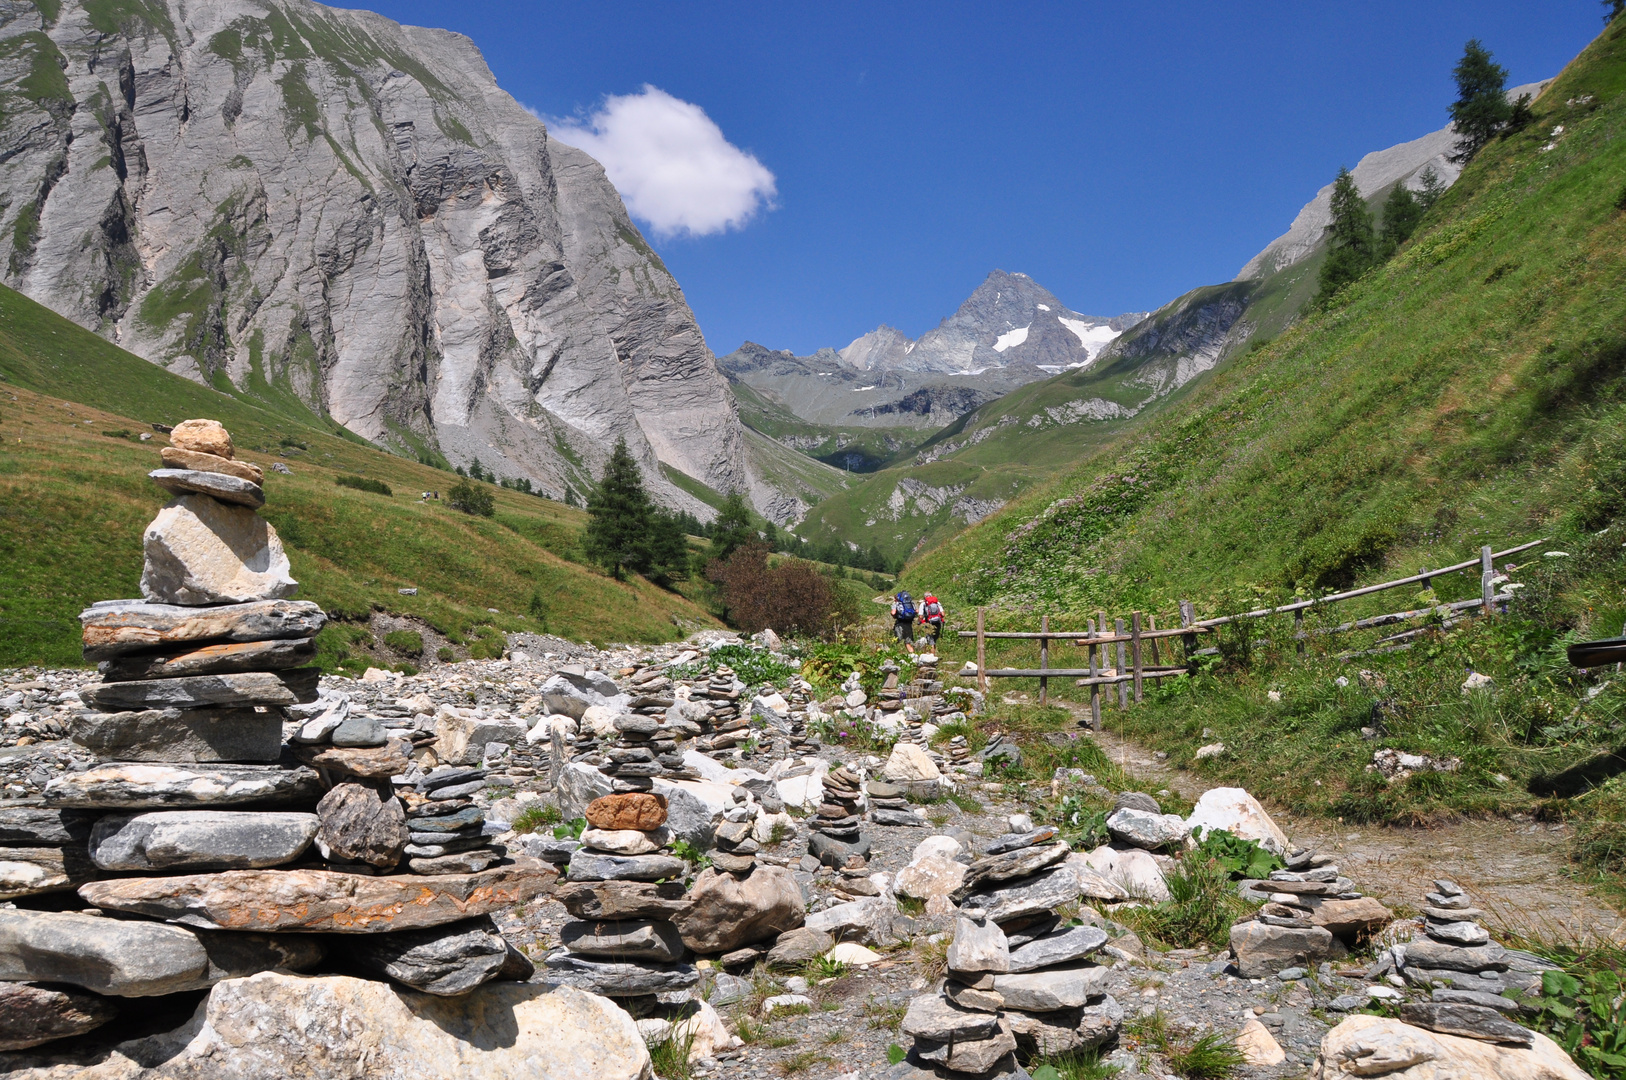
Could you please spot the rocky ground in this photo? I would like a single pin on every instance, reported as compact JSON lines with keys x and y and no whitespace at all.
{"x":851,"y":1014}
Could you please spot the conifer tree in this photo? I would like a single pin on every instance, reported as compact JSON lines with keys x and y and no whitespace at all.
{"x":1401,"y":215}
{"x":1432,"y":187}
{"x":1481,"y":109}
{"x":1351,"y":242}
{"x":731,"y":527}
{"x":620,"y":517}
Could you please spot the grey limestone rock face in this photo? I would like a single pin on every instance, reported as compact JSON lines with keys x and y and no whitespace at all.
{"x":200,"y":840}
{"x":409,"y":252}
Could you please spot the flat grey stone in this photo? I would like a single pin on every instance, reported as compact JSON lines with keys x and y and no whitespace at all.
{"x":1262,"y":950}
{"x":360,"y":732}
{"x":834,"y":853}
{"x":468,"y":817}
{"x":445,"y":960}
{"x":1072,"y":944}
{"x":613,"y":979}
{"x":200,"y":840}
{"x":449,"y":845}
{"x":1142,"y":829}
{"x":44,"y":826}
{"x":1347,"y":1002}
{"x":978,"y":946}
{"x":176,"y":786}
{"x":1012,"y":866}
{"x":1037,"y":895}
{"x":906,"y":819}
{"x":593,"y":866}
{"x":1457,"y":933}
{"x":1436,"y":954}
{"x":31,"y":871}
{"x":1475,"y":997}
{"x":181,"y":735}
{"x":796,"y":947}
{"x":557,"y":852}
{"x":932,"y":1017}
{"x":128,"y":958}
{"x":440,"y":779}
{"x":643,"y":939}
{"x":226,"y":488}
{"x":976,"y":1056}
{"x":1017,"y":841}
{"x":1058,"y":988}
{"x":115,"y":627}
{"x":198,"y":691}
{"x":1468,"y":1021}
{"x":219,"y":659}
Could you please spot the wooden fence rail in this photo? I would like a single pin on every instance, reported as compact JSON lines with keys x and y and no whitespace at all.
{"x":1129,"y":671}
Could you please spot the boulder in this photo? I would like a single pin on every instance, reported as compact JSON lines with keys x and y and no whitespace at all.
{"x":805,"y":792}
{"x":273,"y":1027}
{"x":978,"y":946}
{"x":183,"y":735}
{"x":1145,"y":830}
{"x":1134,"y":871}
{"x":1258,"y":1047}
{"x":157,"y":787}
{"x":1263,"y":950}
{"x":796,"y":947}
{"x":930,"y":876}
{"x":870,"y":921}
{"x":200,"y":691}
{"x":201,"y":551}
{"x":222,"y":486}
{"x":633,"y":939}
{"x":1365,"y":1046}
{"x":835,"y":853}
{"x":200,"y":839}
{"x":1238,"y":813}
{"x":113,"y":628}
{"x":31,"y":1015}
{"x":202,"y":437}
{"x":731,"y":911}
{"x":574,"y":694}
{"x":126,"y":958}
{"x":321,"y":900}
{"x":910,"y":764}
{"x":360,"y":823}
{"x":693,"y":808}
{"x":1094,"y":884}
{"x":463,"y":741}
{"x":578,"y":785}
{"x":636,"y":810}
{"x":222,"y":659}
{"x":442,"y":960}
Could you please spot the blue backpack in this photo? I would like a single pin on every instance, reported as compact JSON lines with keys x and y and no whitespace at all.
{"x":907,"y":607}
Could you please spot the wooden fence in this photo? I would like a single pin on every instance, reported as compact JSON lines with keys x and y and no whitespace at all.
{"x":1140,"y":640}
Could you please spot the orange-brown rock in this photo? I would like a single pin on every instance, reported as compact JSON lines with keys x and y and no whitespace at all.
{"x":322,"y":901}
{"x":634,"y":810}
{"x":177,"y":458}
{"x":203,"y":436}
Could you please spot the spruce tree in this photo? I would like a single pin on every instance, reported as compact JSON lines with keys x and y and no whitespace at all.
{"x":620,"y":517}
{"x":1481,"y":109}
{"x":1432,"y":188}
{"x":1351,"y":242}
{"x":1401,"y":215}
{"x":668,"y":547}
{"x":731,"y":527}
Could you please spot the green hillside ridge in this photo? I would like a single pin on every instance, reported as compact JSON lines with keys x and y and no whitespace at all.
{"x":74,"y":499}
{"x":1470,"y":391}
{"x":854,"y":449}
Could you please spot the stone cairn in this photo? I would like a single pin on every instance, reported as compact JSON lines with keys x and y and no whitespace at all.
{"x":736,"y":848}
{"x":207,"y":818}
{"x":836,"y":839}
{"x":1465,"y":973}
{"x":624,"y":892}
{"x":1017,"y":977}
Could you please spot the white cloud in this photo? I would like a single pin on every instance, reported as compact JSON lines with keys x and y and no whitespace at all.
{"x":671,"y":164}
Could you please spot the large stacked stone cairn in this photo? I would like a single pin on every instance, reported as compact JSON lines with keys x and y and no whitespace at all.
{"x":1018,"y":978}
{"x":201,"y":811}
{"x":1311,"y":914}
{"x":623,"y":895}
{"x":836,"y":839}
{"x":728,"y":725}
{"x":1464,"y":972}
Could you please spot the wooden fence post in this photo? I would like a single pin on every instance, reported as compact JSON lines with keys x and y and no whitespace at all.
{"x":1157,"y":655}
{"x":1486,"y":572}
{"x":982,"y":657}
{"x":1044,"y":659}
{"x":1298,"y":630}
{"x":1188,"y":615}
{"x":1134,"y":651}
{"x":1095,"y":688}
{"x":1123,"y":688}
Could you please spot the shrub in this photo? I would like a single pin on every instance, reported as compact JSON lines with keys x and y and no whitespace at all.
{"x":118,"y":433}
{"x":445,"y":655}
{"x":792,"y":597}
{"x":405,"y":642}
{"x":1587,"y":1017}
{"x":472,"y":499}
{"x":1240,"y":858}
{"x":361,"y":483}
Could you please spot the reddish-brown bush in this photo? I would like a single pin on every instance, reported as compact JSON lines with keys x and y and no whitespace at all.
{"x":790,"y":596}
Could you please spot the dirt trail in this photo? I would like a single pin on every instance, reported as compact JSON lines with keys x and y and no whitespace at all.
{"x":1517,"y":871}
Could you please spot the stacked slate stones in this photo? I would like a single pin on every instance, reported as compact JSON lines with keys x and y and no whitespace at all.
{"x":632,"y":764}
{"x":623,"y":894}
{"x":889,"y":806}
{"x":836,"y":840}
{"x":728,"y":725}
{"x":892,"y":695}
{"x":447,"y":831}
{"x":736,"y":848}
{"x":1464,"y":971}
{"x":203,"y":814}
{"x":1017,"y":978}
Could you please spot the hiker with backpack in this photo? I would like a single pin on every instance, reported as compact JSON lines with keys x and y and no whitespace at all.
{"x":903,"y":619}
{"x":932,"y":618}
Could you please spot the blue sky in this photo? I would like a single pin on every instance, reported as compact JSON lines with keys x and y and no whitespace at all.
{"x":1118,"y":153}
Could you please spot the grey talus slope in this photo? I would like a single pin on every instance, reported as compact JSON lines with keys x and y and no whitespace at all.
{"x":322,"y":205}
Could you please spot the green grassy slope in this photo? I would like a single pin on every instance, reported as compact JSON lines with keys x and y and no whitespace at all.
{"x":859,"y":449}
{"x":74,"y":499}
{"x":1472,"y":391}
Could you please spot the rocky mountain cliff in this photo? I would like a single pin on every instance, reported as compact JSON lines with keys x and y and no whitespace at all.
{"x":329,"y":211}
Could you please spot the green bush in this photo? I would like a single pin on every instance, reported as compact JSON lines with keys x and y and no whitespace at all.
{"x":405,"y":642}
{"x":753,"y":667}
{"x":361,"y":483}
{"x":570,"y":830}
{"x":1587,"y":1017}
{"x":1242,"y":858}
{"x":445,"y":655}
{"x":472,"y":499}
